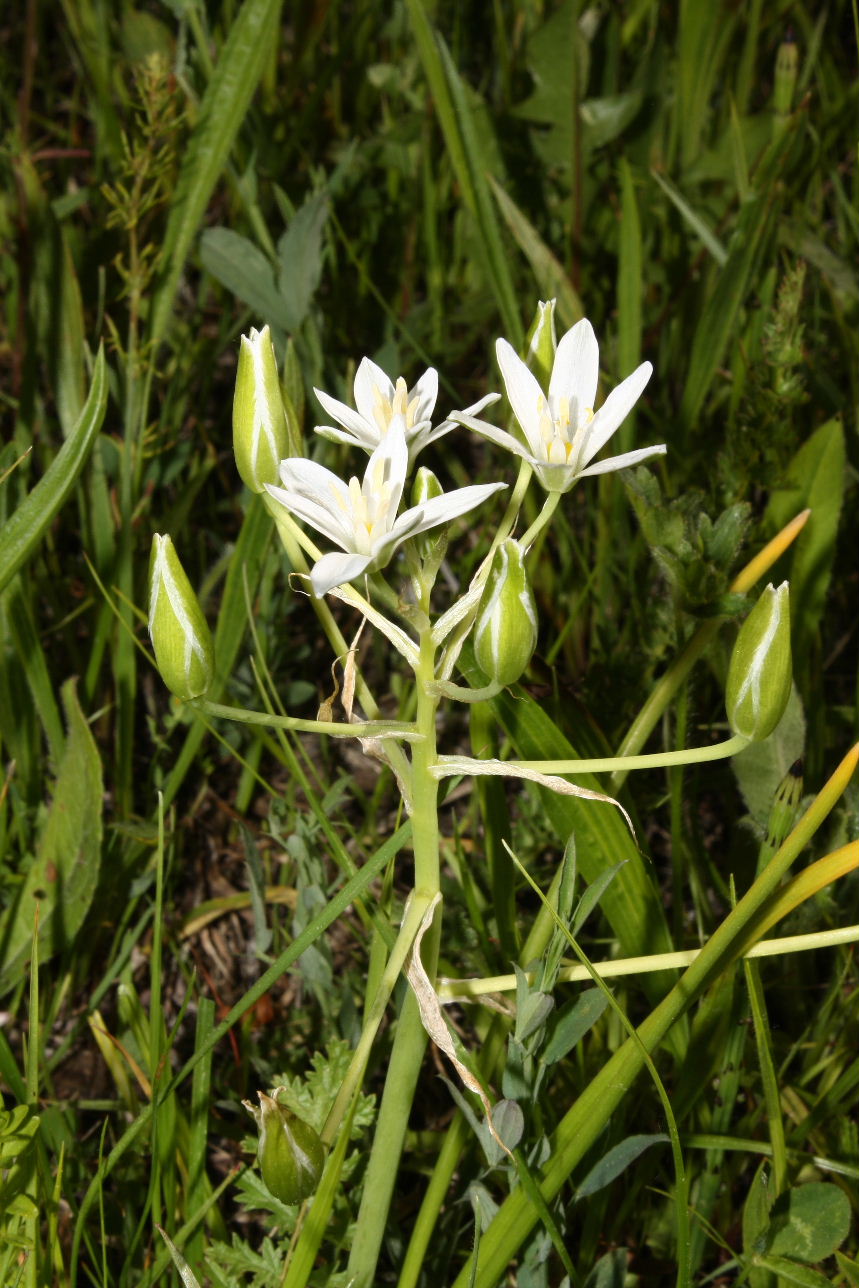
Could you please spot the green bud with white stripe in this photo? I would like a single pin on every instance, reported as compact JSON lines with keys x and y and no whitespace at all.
{"x":541,"y":343}
{"x":180,"y":635}
{"x":290,"y":1152}
{"x":505,"y":630}
{"x":760,"y":673}
{"x":260,"y":434}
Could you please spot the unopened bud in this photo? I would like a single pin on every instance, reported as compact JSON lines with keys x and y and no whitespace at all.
{"x":290,"y":1152}
{"x":542,"y":343}
{"x":260,"y":435}
{"x":786,"y":73}
{"x":180,"y":635}
{"x":505,"y":631}
{"x":759,"y":676}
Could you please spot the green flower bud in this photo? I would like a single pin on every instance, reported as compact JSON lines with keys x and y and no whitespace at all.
{"x":759,"y":676}
{"x":290,"y":1152}
{"x":425,"y":486}
{"x":542,"y":343}
{"x":260,"y":436}
{"x":180,"y":636}
{"x":505,"y":632}
{"x":786,"y":73}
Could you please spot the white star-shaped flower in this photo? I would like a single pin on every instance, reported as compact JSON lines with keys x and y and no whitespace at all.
{"x":361,"y":516}
{"x":378,"y":401}
{"x":563,"y":433}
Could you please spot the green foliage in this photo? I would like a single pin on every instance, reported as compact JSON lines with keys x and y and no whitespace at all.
{"x":405,"y":185}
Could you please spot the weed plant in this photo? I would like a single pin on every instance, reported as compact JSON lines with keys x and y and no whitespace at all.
{"x":194,"y":910}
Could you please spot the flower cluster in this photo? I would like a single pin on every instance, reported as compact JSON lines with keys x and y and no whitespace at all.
{"x":392,"y":423}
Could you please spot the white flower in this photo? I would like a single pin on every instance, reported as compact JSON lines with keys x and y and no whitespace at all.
{"x":378,"y":401}
{"x":361,"y":517}
{"x":562,"y":432}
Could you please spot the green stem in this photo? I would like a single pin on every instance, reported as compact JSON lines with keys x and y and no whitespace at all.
{"x":464,"y":692}
{"x":355,"y":1073}
{"x":550,"y":505}
{"x":410,"y":1039}
{"x":585,"y":1121}
{"x":361,"y":729}
{"x":656,"y":760}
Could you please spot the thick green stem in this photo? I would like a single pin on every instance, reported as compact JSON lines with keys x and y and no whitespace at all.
{"x":410,"y":1039}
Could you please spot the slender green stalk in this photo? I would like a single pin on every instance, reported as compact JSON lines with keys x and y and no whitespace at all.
{"x":464,"y":989}
{"x":550,"y":505}
{"x":655,"y":760}
{"x":361,"y":729}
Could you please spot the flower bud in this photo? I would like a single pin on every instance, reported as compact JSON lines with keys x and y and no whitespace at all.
{"x":786,"y":73}
{"x":759,"y":676}
{"x":425,"y":486}
{"x":260,"y":437}
{"x":184,"y":651}
{"x":291,"y":1154}
{"x":542,"y":343}
{"x":505,"y":631}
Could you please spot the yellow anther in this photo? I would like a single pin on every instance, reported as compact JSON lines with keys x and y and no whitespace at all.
{"x":400,"y":400}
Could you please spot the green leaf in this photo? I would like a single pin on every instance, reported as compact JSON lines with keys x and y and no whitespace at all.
{"x":300,"y":253}
{"x":808,"y":1223}
{"x":849,"y":1269}
{"x":243,"y":269}
{"x":616,"y":1161}
{"x":455,"y":116}
{"x":593,"y":894}
{"x":223,"y":109}
{"x":606,"y":118}
{"x":761,"y":767}
{"x":551,"y":277}
{"x":631,"y":903}
{"x":62,"y":879}
{"x":815,"y":480}
{"x":573,"y":1022}
{"x":27,"y":524}
{"x":630,"y":290}
{"x":791,"y":1272}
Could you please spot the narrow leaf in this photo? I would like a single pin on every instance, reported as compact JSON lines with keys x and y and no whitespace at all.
{"x":26,"y":526}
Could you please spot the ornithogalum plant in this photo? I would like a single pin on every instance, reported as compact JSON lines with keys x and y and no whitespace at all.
{"x":386,"y":539}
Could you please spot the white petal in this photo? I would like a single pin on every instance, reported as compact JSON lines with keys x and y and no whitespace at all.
{"x":335,"y":570}
{"x":440,"y":509}
{"x":575,"y":373}
{"x":335,"y":526}
{"x":624,"y":461}
{"x":426,"y":391}
{"x":364,"y":433}
{"x":614,"y":411}
{"x":368,"y":379}
{"x":335,"y":435}
{"x":495,"y":435}
{"x":312,"y":480}
{"x":523,"y":392}
{"x":447,"y":425}
{"x":392,"y":455}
